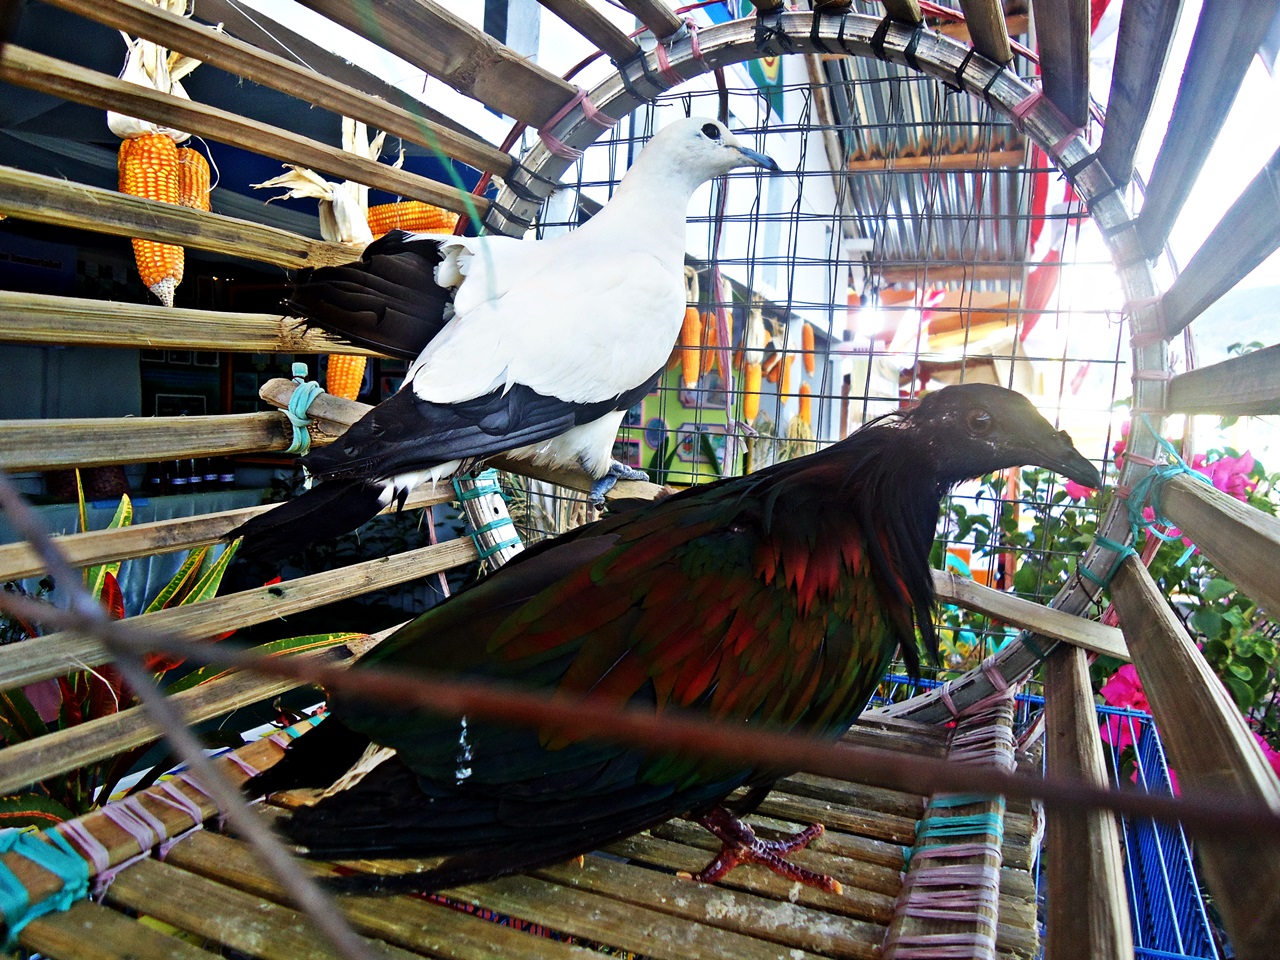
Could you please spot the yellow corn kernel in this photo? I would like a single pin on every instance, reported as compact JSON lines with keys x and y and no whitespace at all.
{"x":751,"y":392}
{"x":784,"y":383}
{"x":412,"y":215}
{"x":806,"y":344}
{"x":806,"y":404}
{"x":193,"y":179}
{"x":148,"y":167}
{"x":344,"y":376}
{"x":690,"y":347}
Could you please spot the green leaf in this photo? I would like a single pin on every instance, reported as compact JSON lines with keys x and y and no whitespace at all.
{"x":277,"y":648}
{"x":95,"y":576}
{"x":180,"y":581}
{"x":1241,"y":692}
{"x":207,"y":586}
{"x":1241,"y":671}
{"x":1208,"y":623}
{"x":1218,"y":588}
{"x":32,"y":810}
{"x":20,"y":717}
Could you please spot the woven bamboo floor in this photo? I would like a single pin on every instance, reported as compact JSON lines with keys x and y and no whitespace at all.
{"x":209,"y":897}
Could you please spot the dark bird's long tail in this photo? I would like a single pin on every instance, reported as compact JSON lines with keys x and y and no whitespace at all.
{"x":329,"y":509}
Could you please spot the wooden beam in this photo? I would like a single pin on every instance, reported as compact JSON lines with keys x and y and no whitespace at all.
{"x":1062,"y":36}
{"x":35,"y":71}
{"x":62,"y":321}
{"x":661,"y":20}
{"x":1210,"y":746}
{"x":57,"y":654}
{"x":1015,"y":26}
{"x":594,"y":26}
{"x":1245,"y":386}
{"x":929,"y":272}
{"x":101,"y":441}
{"x":1088,"y":902}
{"x":1242,"y":542}
{"x":19,"y":560}
{"x":1142,"y":47}
{"x":31,"y":196}
{"x":409,"y":120}
{"x":1041,"y":620}
{"x":63,"y":750}
{"x":1246,"y":235}
{"x":451,"y":50}
{"x":965,"y":162}
{"x":87,"y":929}
{"x":987,"y":29}
{"x":904,"y":11}
{"x":1226,"y":39}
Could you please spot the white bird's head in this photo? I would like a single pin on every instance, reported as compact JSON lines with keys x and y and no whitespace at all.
{"x":697,"y":150}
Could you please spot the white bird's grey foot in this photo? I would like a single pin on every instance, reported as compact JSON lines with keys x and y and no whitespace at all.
{"x":617,"y":471}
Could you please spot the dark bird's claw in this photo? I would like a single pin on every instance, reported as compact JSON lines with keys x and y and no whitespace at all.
{"x":741,"y":845}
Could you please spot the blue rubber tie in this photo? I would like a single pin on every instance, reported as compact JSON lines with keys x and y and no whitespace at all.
{"x":299,"y":404}
{"x":1146,"y":492}
{"x":59,"y":858}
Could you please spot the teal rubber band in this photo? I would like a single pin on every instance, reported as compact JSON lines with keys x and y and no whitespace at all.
{"x":478,"y":491}
{"x":1034,"y":647}
{"x":494,"y":525}
{"x":1146,"y":492}
{"x":1122,"y":550}
{"x":933,"y":827}
{"x":296,"y":411}
{"x":962,"y":799}
{"x":486,"y":552}
{"x":59,"y":858}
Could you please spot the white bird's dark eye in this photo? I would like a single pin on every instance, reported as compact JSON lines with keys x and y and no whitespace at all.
{"x":979,"y":422}
{"x":711,"y":131}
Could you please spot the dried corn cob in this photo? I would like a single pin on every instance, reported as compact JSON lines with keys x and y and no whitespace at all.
{"x":345,"y":375}
{"x":412,"y":215}
{"x":806,"y":404}
{"x":784,"y":384}
{"x":690,"y":347}
{"x":148,"y":167}
{"x":751,"y":392}
{"x":806,"y":344}
{"x":193,"y":179}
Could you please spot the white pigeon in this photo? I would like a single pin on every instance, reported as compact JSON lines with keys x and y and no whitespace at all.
{"x":533,"y":348}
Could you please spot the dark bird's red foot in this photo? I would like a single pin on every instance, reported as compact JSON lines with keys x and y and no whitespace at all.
{"x":741,"y":845}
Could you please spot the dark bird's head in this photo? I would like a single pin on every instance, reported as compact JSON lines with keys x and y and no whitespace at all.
{"x":978,"y":428}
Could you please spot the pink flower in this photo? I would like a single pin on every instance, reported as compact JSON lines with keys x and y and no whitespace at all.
{"x":1230,"y":474}
{"x":1268,"y":751}
{"x":1078,"y":491}
{"x":1124,"y":689}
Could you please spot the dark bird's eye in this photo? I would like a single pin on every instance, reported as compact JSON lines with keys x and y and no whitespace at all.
{"x":979,"y":422}
{"x":711,"y":130}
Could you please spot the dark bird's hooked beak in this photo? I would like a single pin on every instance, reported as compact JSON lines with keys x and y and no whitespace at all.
{"x":760,"y":159}
{"x":1061,"y":456}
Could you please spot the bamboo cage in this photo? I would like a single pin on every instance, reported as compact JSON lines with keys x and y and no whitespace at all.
{"x":209,"y":894}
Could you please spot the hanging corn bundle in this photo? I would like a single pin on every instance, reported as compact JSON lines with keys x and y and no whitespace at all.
{"x":755,"y":340}
{"x":784,"y":383}
{"x":806,"y":405}
{"x":148,"y":161}
{"x":807,"y":348}
{"x":193,"y":179}
{"x":412,"y":215}
{"x":691,"y":331}
{"x":345,"y":217}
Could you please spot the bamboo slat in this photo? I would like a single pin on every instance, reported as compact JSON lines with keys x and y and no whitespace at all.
{"x":1246,"y":235}
{"x":1146,"y":30}
{"x":408,"y":922}
{"x":959,"y":162}
{"x":1062,"y":35}
{"x":1226,"y":38}
{"x":1088,"y":902}
{"x":26,"y":68}
{"x":1244,"y":386}
{"x":18,"y":560}
{"x":904,"y":11}
{"x":1242,"y":542}
{"x":449,"y":49}
{"x":1212,"y":750}
{"x":63,"y":750}
{"x":50,"y":200}
{"x":57,"y":654}
{"x":987,"y":29}
{"x":40,"y":319}
{"x":1039,"y":619}
{"x":89,"y":931}
{"x":594,"y":26}
{"x":661,"y":20}
{"x":91,"y":441}
{"x":246,"y":60}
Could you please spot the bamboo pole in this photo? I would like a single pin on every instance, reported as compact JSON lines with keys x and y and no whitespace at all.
{"x":1062,"y":34}
{"x":90,"y":931}
{"x":60,"y":203}
{"x":1242,"y":542}
{"x":987,"y":29}
{"x":595,"y":27}
{"x":959,"y":162}
{"x":661,"y":20}
{"x":36,"y":318}
{"x":26,"y":68}
{"x":451,"y":50}
{"x":253,"y":63}
{"x":1088,"y":903}
{"x":1212,"y":750}
{"x":1244,"y":386}
{"x":904,"y":11}
{"x":57,"y":654}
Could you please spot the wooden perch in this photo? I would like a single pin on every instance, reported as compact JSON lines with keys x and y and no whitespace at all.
{"x":60,"y":203}
{"x":661,"y":20}
{"x":1244,"y":386}
{"x":1062,"y":33}
{"x":40,"y":319}
{"x":141,"y":19}
{"x":594,"y":26}
{"x":26,"y":68}
{"x":988,"y":29}
{"x":1212,"y":750}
